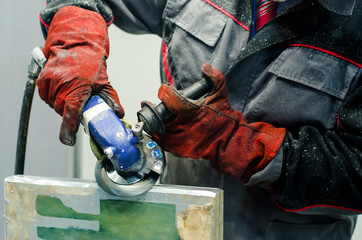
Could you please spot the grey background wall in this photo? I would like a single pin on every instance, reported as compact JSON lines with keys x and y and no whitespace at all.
{"x":46,"y":156}
{"x":133,"y":70}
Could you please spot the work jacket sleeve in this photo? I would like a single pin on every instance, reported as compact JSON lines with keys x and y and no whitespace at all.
{"x":133,"y":16}
{"x":138,"y":16}
{"x":322,"y":168}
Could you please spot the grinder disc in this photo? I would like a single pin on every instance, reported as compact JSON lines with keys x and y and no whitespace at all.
{"x":113,"y":183}
{"x":131,"y":183}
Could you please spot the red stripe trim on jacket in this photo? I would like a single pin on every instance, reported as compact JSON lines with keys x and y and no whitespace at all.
{"x":328,"y":52}
{"x":339,"y":122}
{"x":165,"y":64}
{"x":311,"y":206}
{"x":227,"y":14}
{"x":108,"y":23}
{"x":42,"y":22}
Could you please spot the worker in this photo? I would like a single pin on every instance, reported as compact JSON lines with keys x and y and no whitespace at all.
{"x":281,"y":131}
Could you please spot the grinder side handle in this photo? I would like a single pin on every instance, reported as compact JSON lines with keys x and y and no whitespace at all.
{"x":155,"y":117}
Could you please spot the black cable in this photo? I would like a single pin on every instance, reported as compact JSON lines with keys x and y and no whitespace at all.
{"x":35,"y":66}
{"x":23,"y":125}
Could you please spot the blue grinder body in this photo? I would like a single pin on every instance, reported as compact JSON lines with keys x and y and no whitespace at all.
{"x":117,"y":141}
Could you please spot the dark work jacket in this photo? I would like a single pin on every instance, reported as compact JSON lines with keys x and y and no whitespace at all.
{"x":301,"y":71}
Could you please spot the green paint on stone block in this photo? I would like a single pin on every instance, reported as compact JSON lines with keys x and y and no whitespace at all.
{"x":118,"y":219}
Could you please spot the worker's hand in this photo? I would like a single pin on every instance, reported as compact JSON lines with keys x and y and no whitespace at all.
{"x":76,"y":48}
{"x":211,"y":129}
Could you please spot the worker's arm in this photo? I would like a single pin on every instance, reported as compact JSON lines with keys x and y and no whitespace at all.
{"x":76,"y":49}
{"x":133,"y":16}
{"x":212,"y":130}
{"x":323,"y":168}
{"x":316,"y":168}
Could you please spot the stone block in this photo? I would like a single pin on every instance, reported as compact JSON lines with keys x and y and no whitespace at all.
{"x":47,"y":208}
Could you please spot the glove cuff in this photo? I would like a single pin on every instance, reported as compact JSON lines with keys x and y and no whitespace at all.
{"x":46,"y":15}
{"x":249,"y":149}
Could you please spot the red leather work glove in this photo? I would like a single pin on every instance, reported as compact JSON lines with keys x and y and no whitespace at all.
{"x":76,"y":48}
{"x":211,"y":129}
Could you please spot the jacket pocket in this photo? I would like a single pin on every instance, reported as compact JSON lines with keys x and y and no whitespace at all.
{"x":197,"y":18}
{"x":303,"y":86}
{"x":316,"y":70}
{"x":191,"y":33}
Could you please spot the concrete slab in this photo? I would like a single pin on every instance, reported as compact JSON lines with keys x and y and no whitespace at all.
{"x":47,"y":208}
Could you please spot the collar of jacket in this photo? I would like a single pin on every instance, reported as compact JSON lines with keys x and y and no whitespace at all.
{"x":309,"y":23}
{"x":343,"y":7}
{"x":300,"y":20}
{"x":242,"y":9}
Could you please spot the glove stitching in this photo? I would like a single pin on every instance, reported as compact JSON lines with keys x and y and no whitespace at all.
{"x":222,"y":114}
{"x":100,"y":64}
{"x":219,"y":113}
{"x":254,"y":129}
